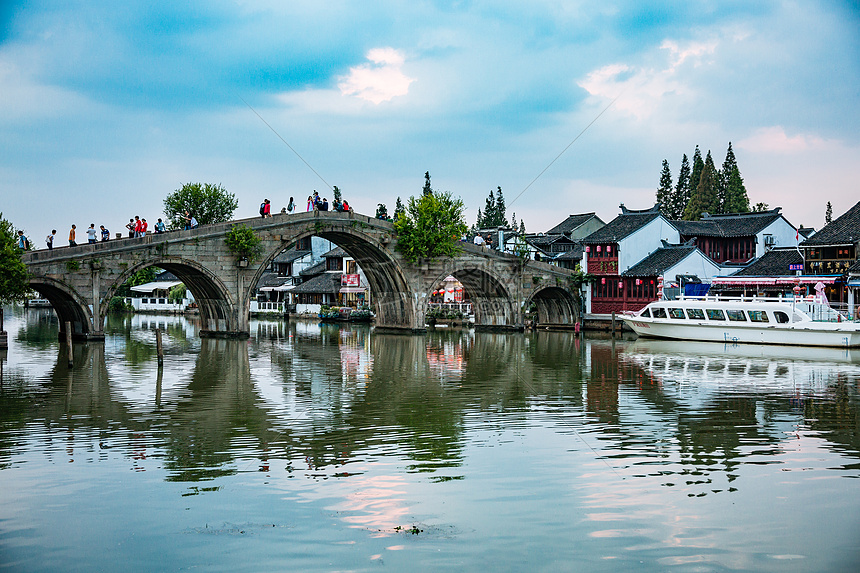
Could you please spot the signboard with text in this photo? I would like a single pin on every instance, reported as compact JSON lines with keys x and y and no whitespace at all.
{"x":350,"y":280}
{"x":796,"y":267}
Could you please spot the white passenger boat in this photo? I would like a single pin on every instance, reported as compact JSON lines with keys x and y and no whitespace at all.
{"x":747,"y":320}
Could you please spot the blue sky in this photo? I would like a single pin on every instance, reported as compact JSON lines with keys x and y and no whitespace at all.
{"x":107,"y":107}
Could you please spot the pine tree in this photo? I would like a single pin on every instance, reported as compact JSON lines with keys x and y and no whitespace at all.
{"x":828,"y":214}
{"x":489,"y":211}
{"x":501,"y":216}
{"x":681,"y":196}
{"x":736,"y":199}
{"x":399,"y":209}
{"x":696,"y":173}
{"x":338,"y":196}
{"x":664,"y":191}
{"x":479,"y":224}
{"x":427,"y":189}
{"x":514,"y":221}
{"x":704,"y":198}
{"x":522,"y":227}
{"x":725,"y":174}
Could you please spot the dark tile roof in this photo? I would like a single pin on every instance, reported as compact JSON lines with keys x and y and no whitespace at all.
{"x":625,"y":224}
{"x":841,"y":231}
{"x":728,"y":224}
{"x":658,"y":261}
{"x":324,"y":283}
{"x":772,"y":263}
{"x":571,"y":223}
{"x":289,"y":256}
{"x":314,"y":270}
{"x":575,"y":255}
{"x":335,"y":252}
{"x":855,"y":268}
{"x":165,"y":276}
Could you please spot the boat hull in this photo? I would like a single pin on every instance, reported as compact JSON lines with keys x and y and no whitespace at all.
{"x":844,"y":335}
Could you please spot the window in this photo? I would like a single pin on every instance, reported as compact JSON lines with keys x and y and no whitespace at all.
{"x":658,"y":312}
{"x":715,"y":314}
{"x":780,"y":317}
{"x":303,"y":244}
{"x":758,"y":316}
{"x":161,"y":301}
{"x":646,"y":313}
{"x":695,"y":314}
{"x":677,"y":313}
{"x":736,"y":315}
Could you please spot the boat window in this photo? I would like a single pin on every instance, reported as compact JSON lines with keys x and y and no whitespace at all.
{"x":676,"y":313}
{"x":696,"y":313}
{"x":781,"y":317}
{"x":658,"y":312}
{"x":646,"y":313}
{"x":715,"y":314}
{"x":758,"y":315}
{"x":736,"y":315}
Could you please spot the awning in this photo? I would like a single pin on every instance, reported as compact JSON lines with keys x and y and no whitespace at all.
{"x":153,"y":286}
{"x":769,"y":281}
{"x":352,"y":290}
{"x":277,"y":288}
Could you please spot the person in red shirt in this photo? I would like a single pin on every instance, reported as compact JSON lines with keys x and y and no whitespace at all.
{"x":137,"y":227}
{"x":143,"y":226}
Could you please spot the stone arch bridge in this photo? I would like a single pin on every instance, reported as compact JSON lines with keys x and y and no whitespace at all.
{"x":80,"y":281}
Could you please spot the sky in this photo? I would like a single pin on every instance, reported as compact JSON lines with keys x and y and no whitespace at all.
{"x":569,"y":107}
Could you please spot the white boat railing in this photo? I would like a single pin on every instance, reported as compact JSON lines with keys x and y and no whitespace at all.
{"x":811,"y":305}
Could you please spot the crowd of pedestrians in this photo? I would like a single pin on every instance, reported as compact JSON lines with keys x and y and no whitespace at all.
{"x":138,"y":227}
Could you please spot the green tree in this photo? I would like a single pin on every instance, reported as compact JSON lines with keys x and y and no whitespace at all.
{"x":431,"y":226}
{"x":828,"y":214}
{"x":696,"y":173}
{"x":398,"y":208}
{"x":736,"y":199}
{"x":704,"y":199}
{"x":338,"y":195}
{"x":514,"y":221}
{"x":479,"y":223}
{"x":501,"y":215}
{"x":681,"y":195}
{"x":244,"y":243}
{"x":14,"y":281}
{"x":665,"y":191}
{"x":427,"y":190}
{"x":724,"y":175}
{"x":208,"y":203}
{"x":494,"y":211}
{"x":760,"y":208}
{"x":142,"y":276}
{"x":381,"y":211}
{"x":522,"y":226}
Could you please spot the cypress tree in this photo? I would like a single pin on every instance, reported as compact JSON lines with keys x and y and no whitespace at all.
{"x":399,"y":209}
{"x":522,"y":226}
{"x":828,"y":214}
{"x":514,"y":221}
{"x":704,"y":198}
{"x":724,"y":175}
{"x":696,"y":173}
{"x":736,"y":199}
{"x":479,"y":224}
{"x":490,"y":211}
{"x":427,"y":190}
{"x":501,"y":216}
{"x":681,"y":196}
{"x":664,"y":191}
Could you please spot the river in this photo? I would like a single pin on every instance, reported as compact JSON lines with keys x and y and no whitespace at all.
{"x":333,"y":448}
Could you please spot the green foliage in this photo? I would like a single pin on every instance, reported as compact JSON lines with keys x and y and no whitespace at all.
{"x":736,"y":199}
{"x":338,"y":195}
{"x":681,"y":194}
{"x":142,"y":276}
{"x":431,"y":226}
{"x":329,"y":311}
{"x":381,"y":211}
{"x":828,"y":214}
{"x":13,"y":272}
{"x":760,"y":208}
{"x":118,"y":304}
{"x":705,"y":198}
{"x":494,"y":211}
{"x":73,"y":266}
{"x":698,"y":167}
{"x":399,"y":209}
{"x":427,"y":190}
{"x":208,"y":203}
{"x":178,"y":292}
{"x":665,"y":191}
{"x":244,"y":243}
{"x":442,"y":314}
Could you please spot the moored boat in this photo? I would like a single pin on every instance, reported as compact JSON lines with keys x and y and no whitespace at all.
{"x":746,"y":320}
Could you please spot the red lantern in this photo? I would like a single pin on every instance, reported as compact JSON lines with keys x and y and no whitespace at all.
{"x":587,"y":249}
{"x":598,"y":248}
{"x":638,"y":282}
{"x":603,"y":281}
{"x":608,"y":248}
{"x":620,"y":284}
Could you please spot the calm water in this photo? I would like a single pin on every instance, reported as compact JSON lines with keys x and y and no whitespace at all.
{"x":326,"y":448}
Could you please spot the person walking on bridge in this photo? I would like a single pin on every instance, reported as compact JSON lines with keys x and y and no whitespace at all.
{"x":50,"y":240}
{"x":72,"y":242}
{"x":105,"y":233}
{"x":130,"y":227}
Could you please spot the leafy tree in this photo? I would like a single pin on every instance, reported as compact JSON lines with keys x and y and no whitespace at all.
{"x":828,"y":214}
{"x":338,"y":196}
{"x":398,"y":208}
{"x":760,"y":208}
{"x":736,"y":199}
{"x":696,"y":174}
{"x":430,"y":226}
{"x":244,"y":243}
{"x":705,"y":197}
{"x":142,"y":276}
{"x":681,"y":196}
{"x":208,"y":203}
{"x":427,"y":190}
{"x":381,"y":211}
{"x":664,"y":191}
{"x":14,"y":283}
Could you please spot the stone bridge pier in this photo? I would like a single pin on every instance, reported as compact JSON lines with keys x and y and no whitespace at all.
{"x":80,"y":281}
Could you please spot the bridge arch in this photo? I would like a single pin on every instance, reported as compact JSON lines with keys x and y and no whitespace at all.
{"x":555,"y":305}
{"x":392,"y":297}
{"x":69,"y":305}
{"x":218,"y":310}
{"x":492,"y":302}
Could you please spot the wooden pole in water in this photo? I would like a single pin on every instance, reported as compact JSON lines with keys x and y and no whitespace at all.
{"x":613,"y":324}
{"x":69,"y":343}
{"x":158,"y":347}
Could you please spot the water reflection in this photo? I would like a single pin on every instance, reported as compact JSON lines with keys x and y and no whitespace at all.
{"x":639,"y":446}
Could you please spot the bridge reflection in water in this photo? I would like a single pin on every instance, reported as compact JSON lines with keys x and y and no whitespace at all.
{"x":311,"y":425}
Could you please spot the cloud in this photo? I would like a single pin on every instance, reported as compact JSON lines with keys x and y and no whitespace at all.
{"x":379,"y":81}
{"x":775,"y":140}
{"x":644,"y":88}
